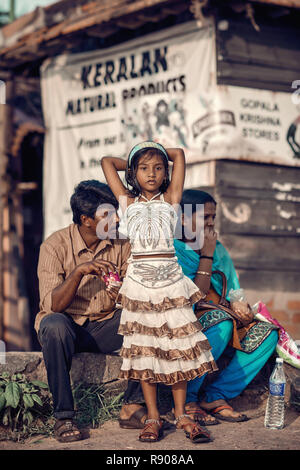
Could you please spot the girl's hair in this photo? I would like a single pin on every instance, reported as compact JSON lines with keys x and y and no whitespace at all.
{"x":87,"y":197}
{"x":131,"y":170}
{"x":194,"y":197}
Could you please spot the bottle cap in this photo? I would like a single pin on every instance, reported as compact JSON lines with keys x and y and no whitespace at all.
{"x":279,"y":360}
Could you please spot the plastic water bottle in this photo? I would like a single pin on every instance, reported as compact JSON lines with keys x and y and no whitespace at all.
{"x":274,"y":417}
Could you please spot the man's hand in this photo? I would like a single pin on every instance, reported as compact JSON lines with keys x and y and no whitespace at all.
{"x":64,"y":294}
{"x":96,"y":267}
{"x":100,"y":268}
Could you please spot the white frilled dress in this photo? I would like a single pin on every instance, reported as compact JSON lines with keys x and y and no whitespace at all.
{"x":162,"y":341}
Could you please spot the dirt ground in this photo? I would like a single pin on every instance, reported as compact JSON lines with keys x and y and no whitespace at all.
{"x":249,"y":435}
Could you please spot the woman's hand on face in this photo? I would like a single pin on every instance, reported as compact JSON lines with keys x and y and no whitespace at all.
{"x":210,"y":241}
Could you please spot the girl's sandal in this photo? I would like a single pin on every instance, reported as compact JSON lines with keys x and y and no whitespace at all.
{"x":196,"y":434}
{"x":153,"y":431}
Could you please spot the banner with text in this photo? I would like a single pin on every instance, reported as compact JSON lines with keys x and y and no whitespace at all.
{"x":159,"y":87}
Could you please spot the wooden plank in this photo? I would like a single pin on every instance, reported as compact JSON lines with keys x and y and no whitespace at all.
{"x":258,"y":199}
{"x":283,"y":3}
{"x":263,"y":252}
{"x":262,"y":176}
{"x":103,"y":30}
{"x":258,"y":220}
{"x":268,"y":60}
{"x":262,"y":280}
{"x":271,"y":76}
{"x":253,"y":216}
{"x":291,"y":195}
{"x":248,"y":83}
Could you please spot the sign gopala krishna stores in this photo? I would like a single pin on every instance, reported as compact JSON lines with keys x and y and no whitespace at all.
{"x":159,"y":87}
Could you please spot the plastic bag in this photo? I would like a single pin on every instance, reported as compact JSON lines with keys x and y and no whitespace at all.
{"x":238,"y":301}
{"x":286,"y":346}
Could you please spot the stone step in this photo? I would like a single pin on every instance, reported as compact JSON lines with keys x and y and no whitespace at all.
{"x":86,"y":367}
{"x":92,"y":368}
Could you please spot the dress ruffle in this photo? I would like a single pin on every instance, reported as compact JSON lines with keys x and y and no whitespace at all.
{"x":130,"y":328}
{"x":168,"y":378}
{"x":170,"y":355}
{"x":162,"y":341}
{"x":165,"y":304}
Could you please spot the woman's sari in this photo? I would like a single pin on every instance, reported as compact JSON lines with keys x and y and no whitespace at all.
{"x":189,"y":262}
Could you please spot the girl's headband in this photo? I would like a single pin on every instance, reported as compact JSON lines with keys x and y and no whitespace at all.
{"x":146,"y":145}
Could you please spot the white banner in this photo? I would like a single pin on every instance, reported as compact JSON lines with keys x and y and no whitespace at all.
{"x":160,"y":87}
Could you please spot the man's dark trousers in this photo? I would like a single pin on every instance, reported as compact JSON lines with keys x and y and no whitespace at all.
{"x":61,"y":338}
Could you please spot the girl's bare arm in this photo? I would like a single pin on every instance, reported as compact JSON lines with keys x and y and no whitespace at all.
{"x":110,"y":167}
{"x":175,"y":189}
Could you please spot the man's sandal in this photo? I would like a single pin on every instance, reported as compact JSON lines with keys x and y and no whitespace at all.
{"x":153,"y":431}
{"x":135,"y":420}
{"x":197,"y":434}
{"x":65,"y":430}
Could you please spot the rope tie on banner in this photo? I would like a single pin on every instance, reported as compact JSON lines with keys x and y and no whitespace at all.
{"x":196,"y":9}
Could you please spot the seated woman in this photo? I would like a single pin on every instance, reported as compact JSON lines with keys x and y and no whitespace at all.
{"x":256,"y":345}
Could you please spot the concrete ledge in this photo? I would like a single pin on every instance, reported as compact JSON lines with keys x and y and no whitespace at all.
{"x":86,"y":367}
{"x":104,"y":369}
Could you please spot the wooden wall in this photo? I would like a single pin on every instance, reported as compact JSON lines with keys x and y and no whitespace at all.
{"x":14,"y":312}
{"x":258,"y":220}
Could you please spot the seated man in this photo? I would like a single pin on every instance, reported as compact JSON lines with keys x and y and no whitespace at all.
{"x":78,"y":313}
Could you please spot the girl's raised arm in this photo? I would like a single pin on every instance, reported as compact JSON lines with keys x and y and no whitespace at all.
{"x":175,"y":189}
{"x":110,"y":167}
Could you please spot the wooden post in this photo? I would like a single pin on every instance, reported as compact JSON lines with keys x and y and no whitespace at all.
{"x":5,"y":116}
{"x":13,"y":303}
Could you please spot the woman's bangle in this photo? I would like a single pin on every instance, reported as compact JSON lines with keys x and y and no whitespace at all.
{"x":207,"y":257}
{"x":203,"y":272}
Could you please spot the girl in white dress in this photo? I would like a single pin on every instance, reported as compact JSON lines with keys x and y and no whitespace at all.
{"x":162,"y":337}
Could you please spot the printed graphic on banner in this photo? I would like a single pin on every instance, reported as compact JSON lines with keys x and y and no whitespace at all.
{"x":2,"y":352}
{"x":2,"y":92}
{"x":252,"y":124}
{"x":159,"y":87}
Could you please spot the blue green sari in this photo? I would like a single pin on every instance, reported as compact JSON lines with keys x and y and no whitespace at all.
{"x":189,"y":261}
{"x":258,"y":344}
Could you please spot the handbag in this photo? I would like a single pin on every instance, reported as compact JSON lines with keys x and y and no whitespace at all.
{"x":241,"y":319}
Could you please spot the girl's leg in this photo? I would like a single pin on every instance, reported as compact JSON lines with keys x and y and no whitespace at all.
{"x":149,"y":391}
{"x":179,"y":397}
{"x":152,"y":431}
{"x":195,"y":432}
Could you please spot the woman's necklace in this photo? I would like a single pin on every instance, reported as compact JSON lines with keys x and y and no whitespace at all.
{"x":148,"y":200}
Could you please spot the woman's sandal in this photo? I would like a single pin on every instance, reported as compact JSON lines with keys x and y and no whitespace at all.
{"x":216,"y":412}
{"x":197,"y":434}
{"x":215,"y":408}
{"x":196,"y":413}
{"x":153,"y":431}
{"x":65,"y":430}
